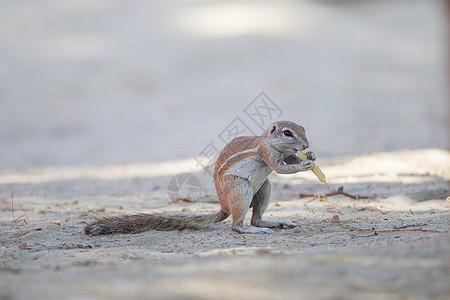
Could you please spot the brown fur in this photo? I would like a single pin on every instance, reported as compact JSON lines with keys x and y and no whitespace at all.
{"x":234,"y":160}
{"x":236,"y":145}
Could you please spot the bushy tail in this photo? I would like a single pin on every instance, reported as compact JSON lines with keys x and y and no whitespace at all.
{"x":155,"y":221}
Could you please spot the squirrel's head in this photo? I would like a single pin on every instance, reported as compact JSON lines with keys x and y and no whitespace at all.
{"x":286,"y":136}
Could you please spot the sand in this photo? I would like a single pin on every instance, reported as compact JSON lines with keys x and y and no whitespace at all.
{"x":394,"y":245}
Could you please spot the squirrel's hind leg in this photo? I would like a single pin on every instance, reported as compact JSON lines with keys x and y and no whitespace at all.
{"x":239,"y":196}
{"x":260,"y":203}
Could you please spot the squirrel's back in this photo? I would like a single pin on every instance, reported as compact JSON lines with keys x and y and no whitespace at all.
{"x":236,"y":145}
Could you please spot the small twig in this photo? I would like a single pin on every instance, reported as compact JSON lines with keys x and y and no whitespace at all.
{"x":182,"y":199}
{"x":25,"y":216}
{"x":340,"y":191}
{"x":408,"y":226}
{"x":12,"y":211}
{"x":190,"y":201}
{"x":413,"y":229}
{"x":351,"y":228}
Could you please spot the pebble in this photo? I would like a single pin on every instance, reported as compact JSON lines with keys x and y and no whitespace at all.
{"x":296,"y":230}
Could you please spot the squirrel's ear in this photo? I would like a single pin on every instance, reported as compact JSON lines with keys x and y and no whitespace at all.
{"x":273,"y":129}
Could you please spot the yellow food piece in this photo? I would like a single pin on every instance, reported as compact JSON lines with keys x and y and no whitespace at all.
{"x":315,"y":169}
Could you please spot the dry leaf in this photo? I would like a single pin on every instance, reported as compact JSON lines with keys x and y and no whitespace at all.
{"x":59,"y":223}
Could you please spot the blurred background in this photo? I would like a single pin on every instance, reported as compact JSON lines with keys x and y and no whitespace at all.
{"x":112,"y":82}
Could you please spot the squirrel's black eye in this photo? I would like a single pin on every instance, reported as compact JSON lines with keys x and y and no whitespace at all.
{"x":287,"y":133}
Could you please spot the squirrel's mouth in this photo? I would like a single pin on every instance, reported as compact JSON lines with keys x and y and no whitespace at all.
{"x":301,"y":149}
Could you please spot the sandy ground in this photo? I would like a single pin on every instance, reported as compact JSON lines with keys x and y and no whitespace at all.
{"x":403,"y":251}
{"x":104,"y":102}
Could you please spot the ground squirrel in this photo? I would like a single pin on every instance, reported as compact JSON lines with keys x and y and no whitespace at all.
{"x":240,"y":177}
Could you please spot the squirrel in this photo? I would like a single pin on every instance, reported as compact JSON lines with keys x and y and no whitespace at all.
{"x":241,"y":179}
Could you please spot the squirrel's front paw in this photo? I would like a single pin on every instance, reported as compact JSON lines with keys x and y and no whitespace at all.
{"x":311,"y":155}
{"x":306,"y":165}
